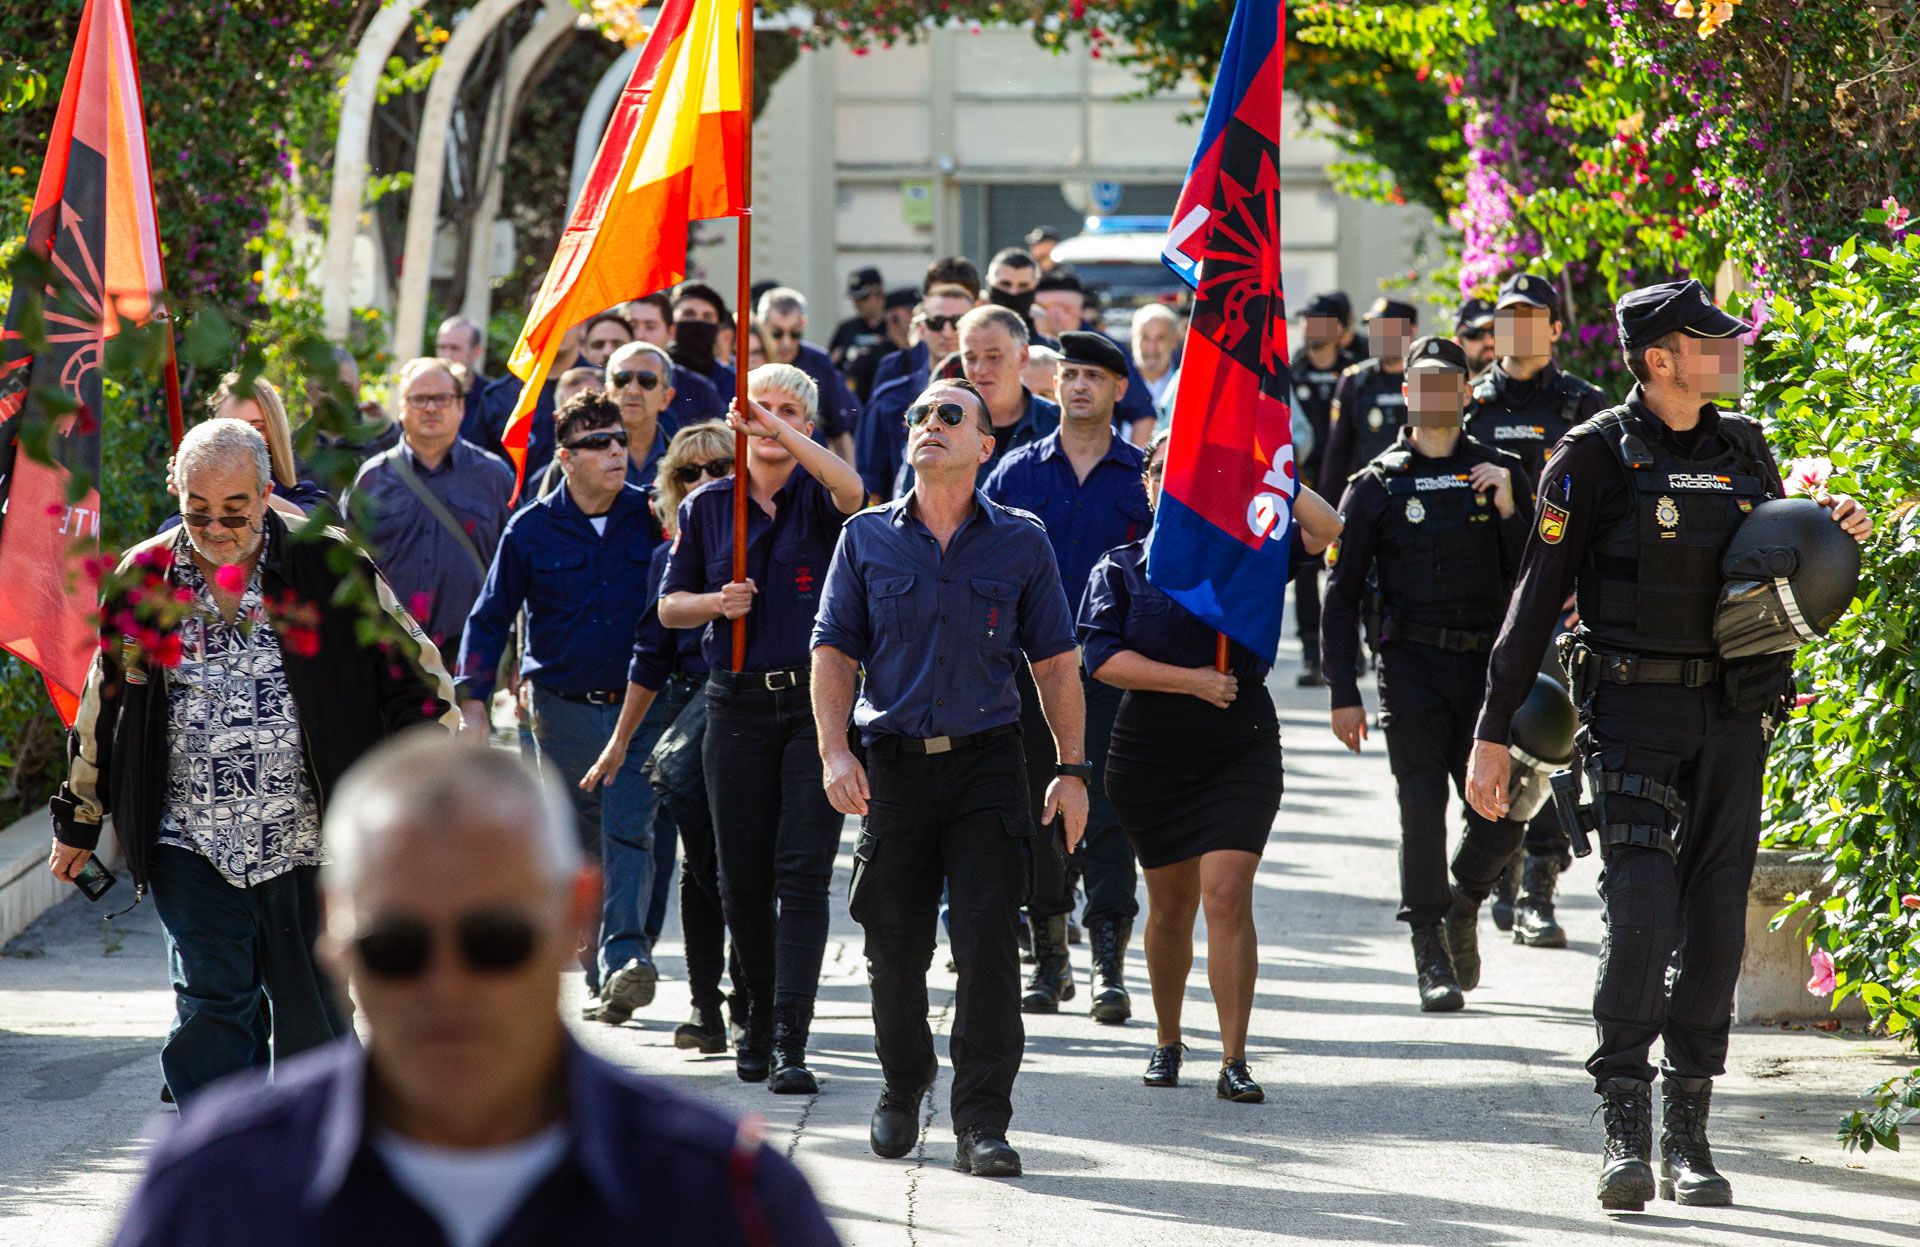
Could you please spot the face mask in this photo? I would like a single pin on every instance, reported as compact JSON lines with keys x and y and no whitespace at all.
{"x":1020,"y":304}
{"x":692,"y":346}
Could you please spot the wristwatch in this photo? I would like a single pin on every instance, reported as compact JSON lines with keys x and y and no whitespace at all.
{"x":1082,"y":771}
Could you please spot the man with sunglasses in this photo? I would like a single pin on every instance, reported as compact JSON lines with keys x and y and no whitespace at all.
{"x":953,"y":275}
{"x":882,"y":435}
{"x":941,"y":595}
{"x":640,"y":379}
{"x":782,"y":313}
{"x":1473,"y":330}
{"x":694,"y":398}
{"x":576,"y":562}
{"x":454,"y":897}
{"x":216,"y":743}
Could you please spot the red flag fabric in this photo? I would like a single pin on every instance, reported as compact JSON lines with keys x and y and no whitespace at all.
{"x":93,"y":220}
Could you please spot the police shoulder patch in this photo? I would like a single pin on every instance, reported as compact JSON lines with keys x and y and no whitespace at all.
{"x":1553,"y":522}
{"x":1333,"y":554}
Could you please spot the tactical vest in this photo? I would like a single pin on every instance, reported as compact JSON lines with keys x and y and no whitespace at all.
{"x":1531,"y":431}
{"x":1438,"y":548}
{"x":1379,"y":411}
{"x":1649,"y":582}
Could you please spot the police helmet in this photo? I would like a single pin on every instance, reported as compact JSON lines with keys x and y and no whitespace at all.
{"x":1541,"y":743}
{"x":1790,"y":572}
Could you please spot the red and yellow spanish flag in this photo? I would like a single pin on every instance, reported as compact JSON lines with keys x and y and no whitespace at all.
{"x":671,"y":156}
{"x":93,"y":220}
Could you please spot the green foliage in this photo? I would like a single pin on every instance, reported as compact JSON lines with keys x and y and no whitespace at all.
{"x":1840,"y":377}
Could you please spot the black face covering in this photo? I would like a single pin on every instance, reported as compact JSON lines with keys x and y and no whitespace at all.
{"x":1020,"y":304}
{"x":692,"y":345}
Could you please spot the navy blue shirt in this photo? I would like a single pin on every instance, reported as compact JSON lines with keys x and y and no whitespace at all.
{"x":583,"y":593}
{"x":839,"y":410}
{"x":289,"y":1161}
{"x":1123,"y":610}
{"x":1084,"y":519}
{"x":787,"y":556}
{"x":694,"y":400}
{"x":881,"y":441}
{"x":912,"y":359}
{"x":941,"y":634}
{"x":660,"y":651}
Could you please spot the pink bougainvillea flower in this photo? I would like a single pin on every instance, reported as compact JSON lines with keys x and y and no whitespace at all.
{"x":1911,"y":901}
{"x":1899,"y":218}
{"x":1808,"y":475}
{"x":230,"y":577}
{"x":1821,"y":984}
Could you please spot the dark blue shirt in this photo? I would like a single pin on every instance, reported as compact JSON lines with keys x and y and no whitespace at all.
{"x":881,"y":441}
{"x":787,"y":556}
{"x":583,"y":593}
{"x":660,"y":651}
{"x":1084,"y":519}
{"x":941,"y":634}
{"x":1137,"y":403}
{"x":496,"y":406}
{"x":289,"y":1161}
{"x":473,"y":409}
{"x":694,"y":400}
{"x":913,"y":359}
{"x":1123,"y":610}
{"x":839,"y":410}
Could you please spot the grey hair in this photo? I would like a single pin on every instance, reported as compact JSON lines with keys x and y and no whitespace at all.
{"x":651,"y":348}
{"x":788,"y":380}
{"x":784,"y":300}
{"x":426,"y":777}
{"x":1152,"y":312}
{"x":460,"y":322}
{"x":222,"y":440}
{"x":993,"y":314}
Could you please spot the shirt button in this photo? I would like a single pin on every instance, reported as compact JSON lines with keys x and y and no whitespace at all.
{"x":939,"y":701}
{"x":943,"y":619}
{"x":941,"y":659}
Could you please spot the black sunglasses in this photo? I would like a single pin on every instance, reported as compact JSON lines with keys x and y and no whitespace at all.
{"x":224,"y":521}
{"x":490,"y":941}
{"x":782,"y":335}
{"x":647,"y":380}
{"x":939,"y":324}
{"x":600,"y":441}
{"x":688,"y":473}
{"x":953,"y":415}
{"x":1474,"y":335}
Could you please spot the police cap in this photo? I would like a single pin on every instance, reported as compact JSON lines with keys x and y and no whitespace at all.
{"x":1077,"y":347}
{"x":862,"y":280}
{"x":1435,"y":352}
{"x":1397,"y":309}
{"x":1061,"y":278}
{"x":1327,"y":305}
{"x":1651,"y":313}
{"x":905,"y":296}
{"x":1042,"y":233}
{"x":1340,"y":304}
{"x":1528,"y":290}
{"x":1473,"y":314}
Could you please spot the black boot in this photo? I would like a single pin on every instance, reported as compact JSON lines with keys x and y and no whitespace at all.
{"x":985,"y":1155}
{"x":790,"y":1075}
{"x":1111,"y":1004}
{"x":1626,"y":1168}
{"x":1310,"y":675}
{"x":1439,"y":990}
{"x":1504,"y":891}
{"x":705,"y":1031}
{"x":1052,"y":979}
{"x":1533,"y":923}
{"x":1026,"y":939}
{"x":1687,"y":1175}
{"x":753,"y":1053}
{"x":896,"y":1122}
{"x":1462,"y":929}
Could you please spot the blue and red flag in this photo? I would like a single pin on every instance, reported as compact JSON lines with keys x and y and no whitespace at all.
{"x":1220,"y":535}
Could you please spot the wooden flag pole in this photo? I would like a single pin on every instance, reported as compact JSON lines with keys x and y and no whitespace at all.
{"x":742,"y":298}
{"x":1220,"y":646}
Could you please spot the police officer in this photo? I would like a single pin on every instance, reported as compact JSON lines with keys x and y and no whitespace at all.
{"x":1369,"y":403}
{"x":1473,"y":330}
{"x":1086,"y":484}
{"x":939,"y":595}
{"x":1440,"y":519}
{"x":1637,"y":507}
{"x":1525,"y":403}
{"x":775,"y":833}
{"x":1316,"y":369}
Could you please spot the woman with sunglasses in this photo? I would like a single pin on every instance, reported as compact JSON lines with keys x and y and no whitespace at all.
{"x":1194,"y":773}
{"x":775,"y":831}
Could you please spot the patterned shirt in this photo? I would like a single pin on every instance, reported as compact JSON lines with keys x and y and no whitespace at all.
{"x":238,"y":790}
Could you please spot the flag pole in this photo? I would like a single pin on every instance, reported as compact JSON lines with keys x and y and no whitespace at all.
{"x":1220,"y":652}
{"x":742,"y":296}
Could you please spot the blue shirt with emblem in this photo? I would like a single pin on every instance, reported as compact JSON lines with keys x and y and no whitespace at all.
{"x":940,"y":634}
{"x":1084,"y":519}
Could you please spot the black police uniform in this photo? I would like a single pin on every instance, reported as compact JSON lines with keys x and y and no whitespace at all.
{"x":1366,"y":416}
{"x":1313,"y":389}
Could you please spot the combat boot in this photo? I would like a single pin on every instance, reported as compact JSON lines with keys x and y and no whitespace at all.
{"x":1626,"y":1167}
{"x":1310,"y":674}
{"x":753,"y":1051}
{"x":790,"y":1075}
{"x":1687,"y":1175}
{"x":1533,"y":923}
{"x":1052,"y":979}
{"x":1439,"y":990}
{"x":1504,"y":891}
{"x":1111,"y":1004}
{"x":1462,"y":929}
{"x":1025,"y":937}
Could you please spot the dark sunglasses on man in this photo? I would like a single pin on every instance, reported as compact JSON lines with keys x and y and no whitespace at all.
{"x":783,"y":335}
{"x":688,"y":473}
{"x":600,"y":440}
{"x":198,"y":520}
{"x":939,"y":324}
{"x":624,"y":378}
{"x":1473,"y":335}
{"x":489,"y":941}
{"x":951,"y":414}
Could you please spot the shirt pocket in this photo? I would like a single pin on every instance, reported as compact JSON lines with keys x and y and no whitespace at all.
{"x":993,"y":606}
{"x":558,"y":578}
{"x":892,"y":606}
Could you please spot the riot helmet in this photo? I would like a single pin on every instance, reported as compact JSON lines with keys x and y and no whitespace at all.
{"x":1541,"y":739}
{"x":1790,"y":574}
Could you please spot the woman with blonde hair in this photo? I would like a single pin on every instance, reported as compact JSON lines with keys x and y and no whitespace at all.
{"x":261,"y":406}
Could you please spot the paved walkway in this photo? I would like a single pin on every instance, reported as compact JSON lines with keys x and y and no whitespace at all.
{"x":1382,"y":1126}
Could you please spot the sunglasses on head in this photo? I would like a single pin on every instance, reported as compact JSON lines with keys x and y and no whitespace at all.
{"x":951,"y":414}
{"x":688,"y":473}
{"x":647,"y":380}
{"x":224,"y":521}
{"x":490,"y":941}
{"x":599,"y":441}
{"x":939,"y":324}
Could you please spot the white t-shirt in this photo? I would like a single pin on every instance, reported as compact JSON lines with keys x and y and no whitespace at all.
{"x":599,"y":523}
{"x":471,"y":1192}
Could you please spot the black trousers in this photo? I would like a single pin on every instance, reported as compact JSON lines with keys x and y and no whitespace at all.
{"x":775,"y":832}
{"x":1105,"y":858}
{"x":679,"y":775}
{"x":1305,"y":572}
{"x":958,"y":819}
{"x":1431,"y":698}
{"x":1676,"y":926}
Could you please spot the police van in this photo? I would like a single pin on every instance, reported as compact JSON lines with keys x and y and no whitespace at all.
{"x":1119,"y":256}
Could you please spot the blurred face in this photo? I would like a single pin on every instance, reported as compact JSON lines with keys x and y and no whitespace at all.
{"x":788,"y":408}
{"x":648,"y":324}
{"x":603,"y":339}
{"x":430,"y":409}
{"x":993,"y":360}
{"x":871,"y":304}
{"x":1059,"y":310}
{"x":1088,"y":392}
{"x":784,"y":331}
{"x":895,"y":322}
{"x":456,"y":346}
{"x":940,"y":452}
{"x":1524,"y":332}
{"x":594,"y":461}
{"x":1706,"y":368}
{"x":461,"y":1029}
{"x":1042,"y":251}
{"x":1435,"y":397}
{"x":641,"y":384}
{"x":1156,"y":475}
{"x":1011,"y":280}
{"x":1388,"y":338}
{"x":230,"y":492}
{"x":1153,"y":343}
{"x":939,"y":322}
{"x":1323,"y":331}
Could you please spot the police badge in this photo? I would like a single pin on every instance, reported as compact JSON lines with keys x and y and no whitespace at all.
{"x":1416,"y":511}
{"x":1666,"y":513}
{"x":1375,"y":419}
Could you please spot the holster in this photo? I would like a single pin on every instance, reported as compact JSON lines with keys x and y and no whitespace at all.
{"x":1758,"y":685}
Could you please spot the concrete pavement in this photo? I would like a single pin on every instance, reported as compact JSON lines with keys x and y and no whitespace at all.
{"x":1382,"y":1125}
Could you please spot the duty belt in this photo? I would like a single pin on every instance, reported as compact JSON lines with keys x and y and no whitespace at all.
{"x":1635,"y":669}
{"x":1453,"y":640}
{"x":771,"y":681}
{"x":942,"y":744}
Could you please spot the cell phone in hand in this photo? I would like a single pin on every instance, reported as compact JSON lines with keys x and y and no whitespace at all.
{"x":94,"y":879}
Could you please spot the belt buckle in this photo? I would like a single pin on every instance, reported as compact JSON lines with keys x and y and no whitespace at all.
{"x":599,"y":699}
{"x":1622,"y":667}
{"x":937,"y":744}
{"x":1697,"y":672}
{"x":779,"y":680}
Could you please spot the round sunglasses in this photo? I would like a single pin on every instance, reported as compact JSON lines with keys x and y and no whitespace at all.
{"x":951,"y":414}
{"x":688,"y":473}
{"x":489,"y":941}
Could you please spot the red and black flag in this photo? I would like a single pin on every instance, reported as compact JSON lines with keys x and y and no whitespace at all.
{"x":94,"y":225}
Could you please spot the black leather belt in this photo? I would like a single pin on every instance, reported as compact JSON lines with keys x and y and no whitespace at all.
{"x":1453,"y":640}
{"x":769,"y":681}
{"x":611,"y":698}
{"x":941,"y":744}
{"x":1636,"y":669}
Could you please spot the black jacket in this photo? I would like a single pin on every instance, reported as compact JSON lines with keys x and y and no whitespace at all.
{"x":349,"y":696}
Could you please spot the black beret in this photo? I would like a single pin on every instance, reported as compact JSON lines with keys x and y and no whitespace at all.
{"x":1437,"y":352}
{"x":1061,"y":278}
{"x":1529,"y":290}
{"x":864,"y":279}
{"x":1393,"y":309}
{"x":1652,"y":312}
{"x":1042,"y":233}
{"x":1473,"y":314}
{"x":1077,"y":347}
{"x":905,"y":296}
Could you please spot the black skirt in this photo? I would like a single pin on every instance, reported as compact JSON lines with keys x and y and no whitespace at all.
{"x":1186,"y":777}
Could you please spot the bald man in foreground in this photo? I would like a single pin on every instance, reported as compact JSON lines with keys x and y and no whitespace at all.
{"x":455,"y":896}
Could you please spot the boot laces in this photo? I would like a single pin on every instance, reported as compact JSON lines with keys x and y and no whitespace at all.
{"x":1684,"y":1131}
{"x":1629,"y":1125}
